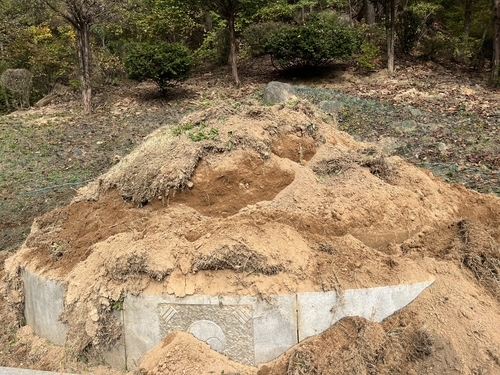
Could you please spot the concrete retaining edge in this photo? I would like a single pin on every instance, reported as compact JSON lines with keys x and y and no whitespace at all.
{"x":246,"y":329}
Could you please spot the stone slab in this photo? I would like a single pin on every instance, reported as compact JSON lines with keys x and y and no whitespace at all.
{"x":22,"y":371}
{"x":278,"y":92}
{"x":319,"y":311}
{"x":275,"y":327}
{"x":142,"y":326}
{"x":116,"y":356}
{"x":245,"y":329}
{"x":43,"y":305}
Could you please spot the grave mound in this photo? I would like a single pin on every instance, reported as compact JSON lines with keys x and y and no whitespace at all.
{"x":247,"y":208}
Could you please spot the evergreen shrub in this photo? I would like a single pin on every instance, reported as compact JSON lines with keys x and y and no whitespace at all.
{"x":314,"y":43}
{"x":255,"y":34}
{"x":162,"y":62}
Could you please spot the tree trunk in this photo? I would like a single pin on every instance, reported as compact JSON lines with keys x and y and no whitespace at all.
{"x":81,"y":15}
{"x":84,"y":59}
{"x":351,"y":22}
{"x":369,"y":12}
{"x":496,"y":43}
{"x":233,"y":56}
{"x":478,"y":61}
{"x":208,"y":21}
{"x":390,"y":24}
{"x":467,"y":23}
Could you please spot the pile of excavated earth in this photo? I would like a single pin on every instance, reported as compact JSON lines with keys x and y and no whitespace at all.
{"x":259,"y":201}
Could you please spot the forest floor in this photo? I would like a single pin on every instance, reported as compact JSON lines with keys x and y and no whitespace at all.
{"x":443,"y":119}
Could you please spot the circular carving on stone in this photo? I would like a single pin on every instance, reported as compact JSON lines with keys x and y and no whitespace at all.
{"x":215,"y":344}
{"x":209,"y":332}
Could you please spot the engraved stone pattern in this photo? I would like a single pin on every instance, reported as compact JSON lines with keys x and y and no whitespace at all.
{"x":242,"y":315}
{"x":238,"y":336}
{"x":209,"y":332}
{"x":166,"y":312}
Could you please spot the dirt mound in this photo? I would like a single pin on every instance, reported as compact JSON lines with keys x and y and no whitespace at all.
{"x":250,"y":200}
{"x":198,"y":358}
{"x":168,"y":157}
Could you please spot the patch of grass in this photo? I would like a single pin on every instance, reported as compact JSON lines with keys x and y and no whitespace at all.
{"x":197,"y":134}
{"x":35,"y":157}
{"x":181,"y":129}
{"x":118,"y":305}
{"x":200,"y":135}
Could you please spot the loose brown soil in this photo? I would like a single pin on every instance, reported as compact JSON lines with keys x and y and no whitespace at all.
{"x":280,"y":201}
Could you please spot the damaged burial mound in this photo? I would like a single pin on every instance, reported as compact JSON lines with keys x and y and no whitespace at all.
{"x":273,"y":238}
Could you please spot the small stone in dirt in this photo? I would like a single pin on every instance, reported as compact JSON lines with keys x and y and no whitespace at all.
{"x":277,"y":92}
{"x":390,"y":144}
{"x":77,"y":153}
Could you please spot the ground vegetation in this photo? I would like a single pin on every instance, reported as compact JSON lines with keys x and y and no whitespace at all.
{"x":35,"y":35}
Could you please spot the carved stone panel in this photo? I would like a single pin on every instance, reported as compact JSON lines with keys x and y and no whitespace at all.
{"x":227,"y":329}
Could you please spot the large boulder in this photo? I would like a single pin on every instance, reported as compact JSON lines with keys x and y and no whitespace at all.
{"x":278,"y":92}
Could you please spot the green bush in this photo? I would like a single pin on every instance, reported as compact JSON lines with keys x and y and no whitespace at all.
{"x":316,"y":42}
{"x":373,"y":46}
{"x":214,"y":49}
{"x":162,"y":62}
{"x":369,"y":56}
{"x":255,"y":34}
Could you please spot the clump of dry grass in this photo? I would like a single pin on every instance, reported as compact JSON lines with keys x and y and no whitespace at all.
{"x":238,"y":258}
{"x":301,"y":362}
{"x":369,"y":158}
{"x":421,"y":344}
{"x":481,"y":255}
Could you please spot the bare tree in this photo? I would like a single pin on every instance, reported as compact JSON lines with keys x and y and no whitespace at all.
{"x":82,"y":14}
{"x":229,"y":10}
{"x":390,"y":26}
{"x":496,"y":42}
{"x":369,"y":12}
